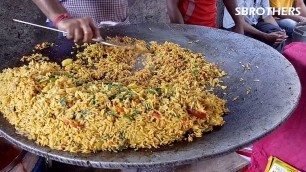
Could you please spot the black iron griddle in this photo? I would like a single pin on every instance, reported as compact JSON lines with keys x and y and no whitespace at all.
{"x":275,"y":91}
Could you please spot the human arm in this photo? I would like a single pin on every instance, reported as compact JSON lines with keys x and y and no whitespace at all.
{"x":292,"y":17}
{"x":238,"y":19}
{"x":79,"y":29}
{"x":270,"y":20}
{"x":267,"y":17}
{"x":276,"y":37}
{"x":300,"y":4}
{"x":174,"y":12}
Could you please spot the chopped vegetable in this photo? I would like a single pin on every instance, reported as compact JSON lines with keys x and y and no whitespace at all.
{"x":136,"y":113}
{"x":122,"y":135}
{"x":120,"y":110}
{"x":53,"y":79}
{"x":66,"y":122}
{"x":70,"y":75}
{"x":130,"y":94}
{"x":84,"y":112}
{"x":93,"y":100}
{"x":195,"y":71}
{"x":128,"y":117}
{"x":223,"y":87}
{"x":157,"y":91}
{"x":107,"y":136}
{"x":78,"y":83}
{"x":236,"y":98}
{"x":75,"y":124}
{"x":111,"y":113}
{"x":67,"y":62}
{"x":152,"y":91}
{"x":109,"y":86}
{"x":133,"y":86}
{"x":63,"y":102}
{"x":156,"y":115}
{"x":196,"y":113}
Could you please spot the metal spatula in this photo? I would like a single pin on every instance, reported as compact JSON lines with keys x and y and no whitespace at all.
{"x":116,"y":44}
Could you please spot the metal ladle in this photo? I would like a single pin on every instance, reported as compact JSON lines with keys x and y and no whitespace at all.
{"x":116,"y":44}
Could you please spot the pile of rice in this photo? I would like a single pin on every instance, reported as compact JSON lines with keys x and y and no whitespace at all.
{"x":95,"y":102}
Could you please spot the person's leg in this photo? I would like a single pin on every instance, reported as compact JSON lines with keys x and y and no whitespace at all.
{"x":269,"y":28}
{"x":288,"y":25}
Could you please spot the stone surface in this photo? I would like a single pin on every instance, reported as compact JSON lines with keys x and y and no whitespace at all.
{"x":153,"y":11}
{"x":251,"y":116}
{"x":14,"y":34}
{"x":15,"y":37}
{"x":228,"y":163}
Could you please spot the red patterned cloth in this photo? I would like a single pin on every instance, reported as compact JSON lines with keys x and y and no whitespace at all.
{"x":199,"y":12}
{"x":99,"y":10}
{"x":288,"y":142}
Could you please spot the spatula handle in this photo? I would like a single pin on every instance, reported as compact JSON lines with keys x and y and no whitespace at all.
{"x":45,"y":27}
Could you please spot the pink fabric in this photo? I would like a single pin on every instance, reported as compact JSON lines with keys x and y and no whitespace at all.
{"x":288,"y":142}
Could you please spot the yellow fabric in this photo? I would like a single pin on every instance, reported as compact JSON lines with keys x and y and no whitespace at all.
{"x":281,"y":3}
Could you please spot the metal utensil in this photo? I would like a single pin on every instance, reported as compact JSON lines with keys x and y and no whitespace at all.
{"x":140,"y":58}
{"x":116,"y":44}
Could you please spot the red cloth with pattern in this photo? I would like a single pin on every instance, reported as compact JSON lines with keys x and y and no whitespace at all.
{"x":288,"y":142}
{"x":99,"y":10}
{"x":199,"y":12}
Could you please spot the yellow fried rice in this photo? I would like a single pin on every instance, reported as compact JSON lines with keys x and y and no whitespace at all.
{"x":95,"y":102}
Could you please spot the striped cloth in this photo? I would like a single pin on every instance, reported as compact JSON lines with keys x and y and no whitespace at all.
{"x":99,"y":10}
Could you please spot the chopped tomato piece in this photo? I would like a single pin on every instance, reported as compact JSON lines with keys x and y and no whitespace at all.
{"x":75,"y":124}
{"x":196,"y":113}
{"x":66,"y":122}
{"x":120,"y":110}
{"x":156,"y":115}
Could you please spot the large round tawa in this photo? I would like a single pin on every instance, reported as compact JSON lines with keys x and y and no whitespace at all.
{"x":274,"y":84}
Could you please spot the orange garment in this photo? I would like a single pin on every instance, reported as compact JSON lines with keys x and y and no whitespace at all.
{"x":281,"y":3}
{"x":199,"y":12}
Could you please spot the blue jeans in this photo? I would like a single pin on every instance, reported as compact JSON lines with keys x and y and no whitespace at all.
{"x":288,"y":25}
{"x":266,"y":28}
{"x":269,"y":28}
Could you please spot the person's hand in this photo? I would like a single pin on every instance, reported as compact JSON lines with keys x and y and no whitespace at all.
{"x":276,"y":37}
{"x":302,"y":19}
{"x":238,"y":29}
{"x":80,"y":29}
{"x":239,"y":22}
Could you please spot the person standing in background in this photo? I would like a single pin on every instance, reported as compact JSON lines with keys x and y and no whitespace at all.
{"x":201,"y":12}
{"x":266,"y":30}
{"x":81,"y":18}
{"x":289,"y":22}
